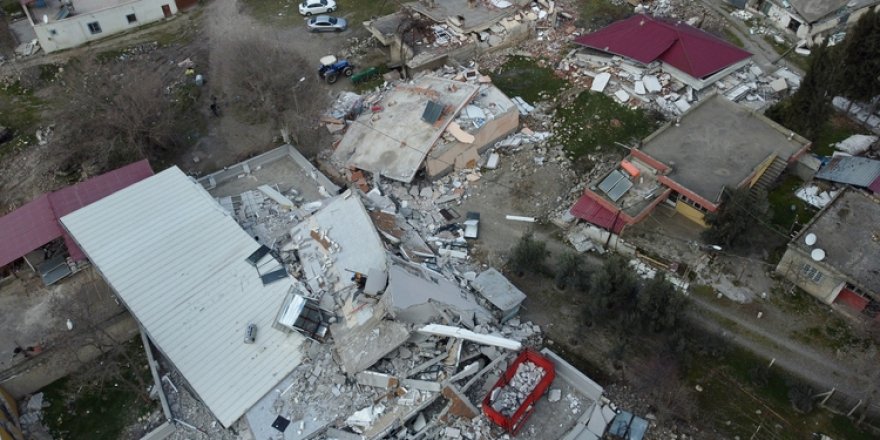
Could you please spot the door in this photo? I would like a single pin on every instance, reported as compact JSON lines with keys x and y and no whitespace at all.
{"x":166,"y":11}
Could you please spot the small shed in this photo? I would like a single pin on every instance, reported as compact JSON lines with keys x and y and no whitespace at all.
{"x":500,"y":292}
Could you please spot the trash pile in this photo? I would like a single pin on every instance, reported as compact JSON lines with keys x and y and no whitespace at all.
{"x":511,"y":396}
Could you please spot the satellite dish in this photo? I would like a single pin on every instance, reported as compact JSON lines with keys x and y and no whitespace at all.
{"x":817,"y":255}
{"x":810,"y":239}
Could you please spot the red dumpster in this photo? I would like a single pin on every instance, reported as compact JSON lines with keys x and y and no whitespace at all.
{"x":513,"y":423}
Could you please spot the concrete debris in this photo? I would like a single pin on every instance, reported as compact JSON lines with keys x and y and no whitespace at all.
{"x":507,"y":399}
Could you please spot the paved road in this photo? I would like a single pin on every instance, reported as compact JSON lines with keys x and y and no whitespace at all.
{"x":765,"y":55}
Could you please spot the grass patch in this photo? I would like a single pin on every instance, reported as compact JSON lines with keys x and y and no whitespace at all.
{"x":598,"y":13}
{"x":835,"y":334}
{"x":594,"y":121}
{"x":838,"y":128}
{"x":529,"y":78}
{"x":740,"y":393}
{"x":358,"y":11}
{"x":802,"y":62}
{"x":94,"y":410}
{"x":732,"y":37}
{"x":785,"y":208}
{"x":797,"y":302}
{"x":19,"y":112}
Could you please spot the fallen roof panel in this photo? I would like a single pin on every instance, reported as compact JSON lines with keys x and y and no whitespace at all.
{"x":179,"y":263}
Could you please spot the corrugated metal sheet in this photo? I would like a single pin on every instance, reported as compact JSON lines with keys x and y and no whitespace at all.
{"x":590,"y":210}
{"x":851,"y":170}
{"x":875,"y":186}
{"x":26,"y":229}
{"x":178,"y":261}
{"x":36,"y":223}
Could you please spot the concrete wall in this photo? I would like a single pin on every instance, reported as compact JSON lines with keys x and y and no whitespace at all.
{"x":484,"y":138}
{"x":791,"y":267}
{"x":74,"y":30}
{"x":691,"y":213}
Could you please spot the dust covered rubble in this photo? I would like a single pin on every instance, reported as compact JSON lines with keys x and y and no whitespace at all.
{"x":509,"y":398}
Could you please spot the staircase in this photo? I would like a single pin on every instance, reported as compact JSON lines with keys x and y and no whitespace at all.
{"x":769,"y":177}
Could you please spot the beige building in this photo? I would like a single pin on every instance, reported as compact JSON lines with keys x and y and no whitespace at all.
{"x":63,"y":24}
{"x":836,"y":257}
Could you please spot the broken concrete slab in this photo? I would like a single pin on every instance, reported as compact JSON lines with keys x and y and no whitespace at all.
{"x":461,"y":406}
{"x":460,"y":135}
{"x":458,"y":332}
{"x":600,"y":82}
{"x":640,"y":88}
{"x":622,"y":96}
{"x":361,"y":347}
{"x":652,"y":84}
{"x":500,"y":292}
{"x":395,"y":142}
{"x":375,"y":379}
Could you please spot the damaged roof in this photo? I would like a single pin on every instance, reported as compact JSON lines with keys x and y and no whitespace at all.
{"x":849,"y":233}
{"x":646,"y":39}
{"x":36,"y":223}
{"x":179,"y":263}
{"x":851,"y":170}
{"x":393,"y":140}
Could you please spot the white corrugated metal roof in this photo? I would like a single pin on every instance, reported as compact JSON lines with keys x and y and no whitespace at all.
{"x":177,"y":260}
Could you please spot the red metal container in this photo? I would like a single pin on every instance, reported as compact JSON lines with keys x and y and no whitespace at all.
{"x":513,"y":423}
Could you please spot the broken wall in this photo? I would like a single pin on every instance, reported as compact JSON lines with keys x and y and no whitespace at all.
{"x":494,"y":130}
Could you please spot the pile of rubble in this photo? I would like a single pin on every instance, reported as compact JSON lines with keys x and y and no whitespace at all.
{"x":509,"y":398}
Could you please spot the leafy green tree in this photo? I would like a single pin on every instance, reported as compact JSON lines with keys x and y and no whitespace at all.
{"x":612,"y":291}
{"x":809,"y":108}
{"x":528,"y":255}
{"x":571,"y":272}
{"x":729,"y":226}
{"x":660,"y":307}
{"x":859,"y":78}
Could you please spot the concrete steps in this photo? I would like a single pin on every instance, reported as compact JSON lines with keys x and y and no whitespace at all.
{"x":766,"y":181}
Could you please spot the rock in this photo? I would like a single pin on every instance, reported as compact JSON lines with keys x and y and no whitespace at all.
{"x":494,"y":40}
{"x":554,"y":395}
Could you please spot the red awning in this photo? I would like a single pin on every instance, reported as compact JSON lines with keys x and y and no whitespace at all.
{"x":592,"y":211}
{"x":875,"y":186}
{"x":35,"y":224}
{"x":646,"y":39}
{"x":27,"y":228}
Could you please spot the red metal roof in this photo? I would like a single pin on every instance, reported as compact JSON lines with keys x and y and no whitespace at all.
{"x":36,"y":223}
{"x":590,"y":210}
{"x":875,"y":186}
{"x":646,"y":39}
{"x":26,"y":229}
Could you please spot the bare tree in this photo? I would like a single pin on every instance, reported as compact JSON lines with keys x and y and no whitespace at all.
{"x":274,"y":85}
{"x":90,"y":313}
{"x":112,"y":119}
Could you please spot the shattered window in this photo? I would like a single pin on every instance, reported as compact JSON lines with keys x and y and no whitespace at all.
{"x":812,"y":273}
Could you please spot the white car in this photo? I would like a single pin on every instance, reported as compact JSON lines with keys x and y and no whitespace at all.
{"x":309,"y":7}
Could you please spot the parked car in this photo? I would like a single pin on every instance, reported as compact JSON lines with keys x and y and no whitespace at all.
{"x":312,"y":7}
{"x":327,"y":23}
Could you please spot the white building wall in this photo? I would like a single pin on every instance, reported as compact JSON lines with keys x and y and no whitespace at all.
{"x":74,"y":31}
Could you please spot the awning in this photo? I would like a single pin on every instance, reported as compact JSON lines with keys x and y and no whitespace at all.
{"x":592,"y":211}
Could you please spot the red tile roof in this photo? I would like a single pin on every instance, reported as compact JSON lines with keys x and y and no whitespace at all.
{"x":590,"y":210}
{"x":36,"y":223}
{"x":646,"y":39}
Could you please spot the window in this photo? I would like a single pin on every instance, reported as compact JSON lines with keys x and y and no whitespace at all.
{"x":94,"y":27}
{"x":131,"y":18}
{"x":812,"y":273}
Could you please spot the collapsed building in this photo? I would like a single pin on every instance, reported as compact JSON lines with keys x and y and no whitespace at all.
{"x":430,"y":33}
{"x":694,"y":57}
{"x":448,"y":121}
{"x":289,"y":308}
